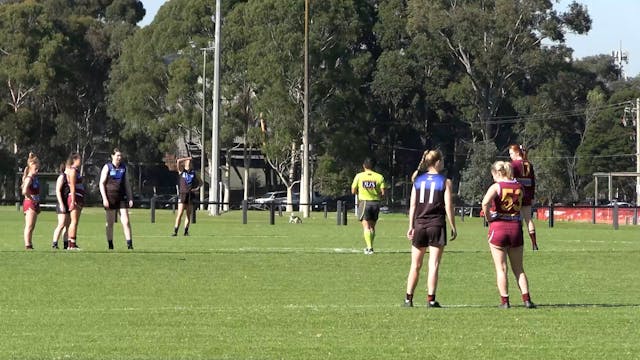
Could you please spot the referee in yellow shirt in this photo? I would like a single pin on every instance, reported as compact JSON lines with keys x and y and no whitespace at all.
{"x":369,"y":186}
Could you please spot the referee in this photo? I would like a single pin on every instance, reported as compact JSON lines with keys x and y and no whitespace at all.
{"x":369,"y":186}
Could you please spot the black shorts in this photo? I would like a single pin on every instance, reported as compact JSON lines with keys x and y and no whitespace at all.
{"x":429,"y":236}
{"x":368,"y":210}
{"x":116,"y":201}
{"x":186,"y":198}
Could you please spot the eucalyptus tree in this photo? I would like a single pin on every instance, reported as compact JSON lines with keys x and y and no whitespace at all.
{"x":496,"y":43}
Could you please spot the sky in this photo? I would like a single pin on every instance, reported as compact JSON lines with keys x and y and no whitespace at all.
{"x":612,"y":28}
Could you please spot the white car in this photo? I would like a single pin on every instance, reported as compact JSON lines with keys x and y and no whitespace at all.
{"x":268,"y":198}
{"x":620,"y":204}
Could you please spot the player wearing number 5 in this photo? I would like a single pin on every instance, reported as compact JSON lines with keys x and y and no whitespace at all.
{"x":523,"y":173}
{"x":431,"y":201}
{"x":501,"y":205}
{"x":369,"y":186}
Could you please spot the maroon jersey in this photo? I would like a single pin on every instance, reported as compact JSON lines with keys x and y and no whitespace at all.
{"x":505,"y":228}
{"x":523,"y":173}
{"x":79,"y":184}
{"x":506,"y":206}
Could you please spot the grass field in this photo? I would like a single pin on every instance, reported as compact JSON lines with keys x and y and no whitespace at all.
{"x":306,"y":291}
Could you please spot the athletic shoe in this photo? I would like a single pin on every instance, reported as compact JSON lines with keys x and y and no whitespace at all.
{"x":504,"y":306}
{"x":130,"y":247}
{"x":368,"y":251}
{"x":174,"y":234}
{"x":529,"y":305}
{"x":28,"y":247}
{"x":73,"y":246}
{"x":54,"y":245}
{"x":433,"y":304}
{"x":407,"y":303}
{"x":110,"y":245}
{"x":186,"y":233}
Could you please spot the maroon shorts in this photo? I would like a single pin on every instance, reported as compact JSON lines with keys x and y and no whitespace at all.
{"x":29,"y":204}
{"x":505,"y":234}
{"x":429,"y":236}
{"x":527,"y":197}
{"x":79,"y":202}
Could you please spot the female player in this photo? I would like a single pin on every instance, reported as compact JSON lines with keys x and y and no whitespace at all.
{"x":501,"y":205}
{"x":188,"y":185}
{"x":31,"y":203}
{"x":62,"y":191}
{"x":431,"y":200}
{"x":75,"y":199}
{"x":116,"y":195}
{"x":523,"y":173}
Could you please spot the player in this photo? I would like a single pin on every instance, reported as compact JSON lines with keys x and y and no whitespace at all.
{"x":523,"y":172}
{"x":62,"y":210}
{"x":431,"y":200}
{"x":369,"y":186}
{"x":501,"y":205}
{"x":188,"y":185}
{"x":31,"y":203}
{"x":75,"y":199}
{"x":116,"y":195}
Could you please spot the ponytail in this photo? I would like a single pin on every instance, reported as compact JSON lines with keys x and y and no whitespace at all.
{"x":31,"y":160}
{"x":503,"y":168}
{"x":520,"y":150}
{"x":429,"y":159}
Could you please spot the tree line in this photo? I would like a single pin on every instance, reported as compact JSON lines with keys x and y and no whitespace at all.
{"x":389,"y":79}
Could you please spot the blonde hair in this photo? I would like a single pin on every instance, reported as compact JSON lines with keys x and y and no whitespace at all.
{"x":429,"y":159}
{"x":32,"y":160}
{"x":503,"y":168}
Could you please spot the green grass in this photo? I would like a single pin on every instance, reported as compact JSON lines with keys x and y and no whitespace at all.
{"x":255,"y":291}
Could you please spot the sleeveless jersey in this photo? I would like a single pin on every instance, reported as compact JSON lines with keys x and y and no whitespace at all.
{"x":506,"y":205}
{"x":523,"y":172}
{"x":116,"y":178}
{"x":34,"y":188}
{"x":79,"y":184}
{"x":64,"y":190}
{"x":187,"y":181}
{"x":369,"y":185}
{"x":430,"y":207}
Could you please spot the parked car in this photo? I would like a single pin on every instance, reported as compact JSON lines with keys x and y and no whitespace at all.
{"x":269,"y":198}
{"x":620,"y":204}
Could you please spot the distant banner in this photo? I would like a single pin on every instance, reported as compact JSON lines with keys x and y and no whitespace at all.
{"x":585,"y":214}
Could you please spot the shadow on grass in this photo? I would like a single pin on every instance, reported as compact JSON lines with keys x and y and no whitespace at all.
{"x":539,"y":306}
{"x":587,"y":305}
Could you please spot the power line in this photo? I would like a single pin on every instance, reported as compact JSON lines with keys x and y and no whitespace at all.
{"x":552,"y":115}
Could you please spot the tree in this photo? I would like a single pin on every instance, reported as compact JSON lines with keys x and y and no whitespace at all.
{"x":476,"y":178}
{"x":496,"y":43}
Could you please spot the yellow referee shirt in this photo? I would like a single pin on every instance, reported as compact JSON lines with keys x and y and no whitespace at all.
{"x":368,"y":185}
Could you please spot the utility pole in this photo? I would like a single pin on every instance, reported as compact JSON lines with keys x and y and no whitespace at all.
{"x":204,"y":119}
{"x":304,"y":185}
{"x":638,"y":152}
{"x":214,"y":209}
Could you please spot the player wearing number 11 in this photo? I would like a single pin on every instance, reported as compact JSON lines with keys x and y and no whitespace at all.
{"x":501,"y":205}
{"x":431,"y":201}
